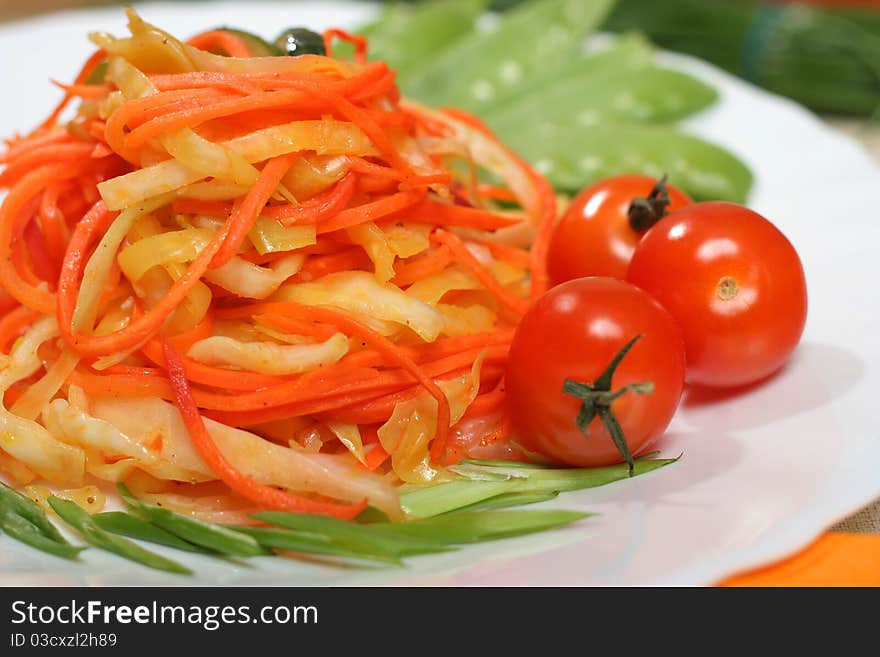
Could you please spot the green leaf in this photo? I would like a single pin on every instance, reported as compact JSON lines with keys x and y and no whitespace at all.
{"x":509,"y":499}
{"x":532,"y":40}
{"x":22,"y":530}
{"x":360,"y":538}
{"x":31,"y":511}
{"x":125,"y":524}
{"x":214,"y":537}
{"x":285,"y":539}
{"x":370,"y":515}
{"x":479,"y":482}
{"x":460,"y":528}
{"x":574,"y":156}
{"x":80,"y":520}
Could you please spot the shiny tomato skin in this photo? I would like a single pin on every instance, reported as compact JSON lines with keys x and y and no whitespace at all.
{"x":734,"y":283}
{"x":573,"y":332}
{"x":594,"y":237}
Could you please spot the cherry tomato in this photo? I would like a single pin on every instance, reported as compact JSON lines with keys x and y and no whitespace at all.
{"x":600,"y":229}
{"x":735,"y":285}
{"x":572,"y":333}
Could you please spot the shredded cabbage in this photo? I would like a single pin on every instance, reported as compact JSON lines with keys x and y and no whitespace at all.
{"x":269,"y":357}
{"x":361,"y":295}
{"x":375,"y":243}
{"x":407,"y":435}
{"x":336,"y":476}
{"x":324,"y":137}
{"x":269,"y":236}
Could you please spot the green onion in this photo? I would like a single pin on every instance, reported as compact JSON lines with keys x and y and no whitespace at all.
{"x":125,"y":524}
{"x":506,"y":500}
{"x":29,"y":510}
{"x":285,"y":539}
{"x":214,"y":537}
{"x":22,"y":530}
{"x":354,"y":536}
{"x":82,"y":521}
{"x":479,"y":482}
{"x":475,"y":527}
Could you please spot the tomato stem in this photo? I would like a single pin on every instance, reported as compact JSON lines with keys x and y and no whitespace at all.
{"x":644,"y":212}
{"x":597,"y":397}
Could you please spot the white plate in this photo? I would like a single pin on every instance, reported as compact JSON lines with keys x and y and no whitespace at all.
{"x":763,"y":473}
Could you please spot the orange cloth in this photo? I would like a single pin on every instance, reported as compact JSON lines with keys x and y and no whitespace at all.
{"x":835,"y":559}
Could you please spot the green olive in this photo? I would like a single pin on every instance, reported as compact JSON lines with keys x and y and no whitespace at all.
{"x":300,"y":41}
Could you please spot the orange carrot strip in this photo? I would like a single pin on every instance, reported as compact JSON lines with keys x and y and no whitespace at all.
{"x":466,"y":258}
{"x":511,"y":254}
{"x":21,"y":254}
{"x":421,"y":266}
{"x":52,"y":223}
{"x":140,"y":328}
{"x":314,"y":210}
{"x":432,"y":351}
{"x":44,"y":268}
{"x":14,"y":215}
{"x":296,"y":326}
{"x":387,"y":348}
{"x":375,"y":457}
{"x":225,"y":42}
{"x":372,"y":210}
{"x":83,"y":90}
{"x":29,"y":295}
{"x":541,"y":243}
{"x":52,"y":154}
{"x":303,"y":95}
{"x":445,"y":214}
{"x":359,"y":43}
{"x":318,"y":266}
{"x":7,"y":303}
{"x":240,"y":483}
{"x":244,"y":216}
{"x":379,"y":409}
{"x":497,"y":193}
{"x":485,"y":404}
{"x":91,"y":63}
{"x":14,"y":323}
{"x":361,"y":165}
{"x":215,"y":377}
{"x":17,"y":146}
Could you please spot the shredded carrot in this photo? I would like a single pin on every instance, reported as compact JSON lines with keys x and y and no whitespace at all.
{"x":244,"y":216}
{"x":247,"y":487}
{"x":14,"y":323}
{"x":382,"y":173}
{"x":421,"y":266}
{"x":371,"y":211}
{"x":511,"y":254}
{"x":90,"y":65}
{"x":222,"y":42}
{"x":359,"y":43}
{"x":460,"y":252}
